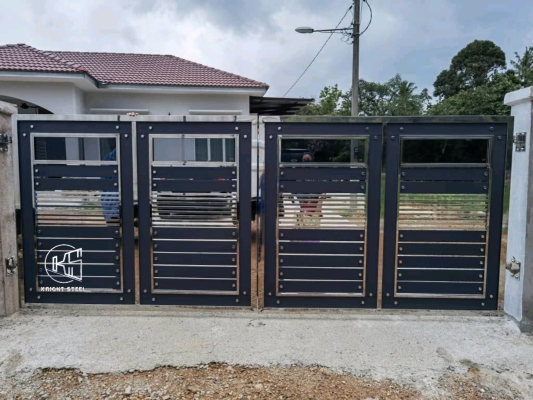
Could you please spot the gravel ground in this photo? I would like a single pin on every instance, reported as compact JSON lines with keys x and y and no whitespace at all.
{"x":218,"y":381}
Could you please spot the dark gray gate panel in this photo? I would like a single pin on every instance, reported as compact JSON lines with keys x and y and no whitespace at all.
{"x":77,"y":211}
{"x":194,"y":213}
{"x":331,"y":261}
{"x":443,"y":219}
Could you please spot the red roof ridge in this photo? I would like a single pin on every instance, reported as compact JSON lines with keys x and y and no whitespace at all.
{"x":54,"y":57}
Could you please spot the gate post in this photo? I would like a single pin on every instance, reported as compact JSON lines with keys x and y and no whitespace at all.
{"x":518,"y":301}
{"x":9,"y":291}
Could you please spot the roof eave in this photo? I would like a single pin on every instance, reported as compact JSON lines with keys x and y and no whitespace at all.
{"x":92,"y":85}
{"x":174,"y":89}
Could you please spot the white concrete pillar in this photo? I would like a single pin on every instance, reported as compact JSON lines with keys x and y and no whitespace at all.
{"x":518,"y":302}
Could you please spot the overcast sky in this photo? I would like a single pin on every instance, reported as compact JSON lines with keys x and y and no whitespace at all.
{"x":256,"y":38}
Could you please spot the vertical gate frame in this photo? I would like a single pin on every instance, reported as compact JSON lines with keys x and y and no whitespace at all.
{"x":198,"y":125}
{"x":25,"y":127}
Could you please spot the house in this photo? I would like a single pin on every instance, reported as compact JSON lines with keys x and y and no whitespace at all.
{"x":66,"y":82}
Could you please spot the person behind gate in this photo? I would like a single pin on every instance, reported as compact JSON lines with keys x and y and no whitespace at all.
{"x":310,"y":206}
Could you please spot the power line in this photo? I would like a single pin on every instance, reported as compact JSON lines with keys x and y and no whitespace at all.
{"x":370,"y":21}
{"x":319,"y":51}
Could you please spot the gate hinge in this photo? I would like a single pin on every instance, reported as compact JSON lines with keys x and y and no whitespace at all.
{"x":5,"y":140}
{"x":514,"y":268}
{"x":11,"y":265}
{"x":519,"y":139}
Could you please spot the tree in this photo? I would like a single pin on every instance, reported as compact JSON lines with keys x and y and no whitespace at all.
{"x":471,"y":67}
{"x":523,"y":67}
{"x":328,"y":104}
{"x":394,"y":97}
{"x":483,"y":100}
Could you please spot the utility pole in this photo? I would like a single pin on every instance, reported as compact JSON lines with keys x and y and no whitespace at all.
{"x":354,"y":153}
{"x":355,"y":66}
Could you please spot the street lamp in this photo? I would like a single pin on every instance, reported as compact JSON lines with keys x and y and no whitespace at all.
{"x":304,"y":29}
{"x":307,"y":29}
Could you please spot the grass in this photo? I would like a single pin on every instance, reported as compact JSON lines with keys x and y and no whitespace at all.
{"x":506,"y":196}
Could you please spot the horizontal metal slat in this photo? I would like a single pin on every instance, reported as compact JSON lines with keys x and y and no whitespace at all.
{"x":91,"y":270}
{"x":97,"y":257}
{"x":288,"y":174}
{"x":320,"y":261}
{"x":447,"y":187}
{"x":195,"y":272}
{"x":321,"y":273}
{"x":440,"y":288}
{"x":195,"y":259}
{"x":322,"y":187}
{"x":441,"y":262}
{"x":195,"y":233}
{"x":315,"y":247}
{"x":84,"y":244}
{"x":441,"y":249}
{"x":445,"y":174}
{"x":79,"y":171}
{"x":185,"y":186}
{"x":78,"y":231}
{"x":324,"y":287}
{"x":42,"y":184}
{"x":450,"y":275}
{"x":322,"y":234}
{"x":442,"y":236}
{"x":191,"y":246}
{"x":87,"y":283}
{"x":229,"y":285}
{"x":209,"y":173}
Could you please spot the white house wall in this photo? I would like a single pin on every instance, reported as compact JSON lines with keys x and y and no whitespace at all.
{"x":163,"y":104}
{"x":58,"y":98}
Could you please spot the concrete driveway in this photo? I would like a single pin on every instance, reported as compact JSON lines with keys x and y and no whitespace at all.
{"x":413,"y":348}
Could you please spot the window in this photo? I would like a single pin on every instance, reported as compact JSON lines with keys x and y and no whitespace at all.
{"x":221,"y":150}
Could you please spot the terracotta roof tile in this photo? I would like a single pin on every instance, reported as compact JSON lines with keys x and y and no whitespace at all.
{"x":122,"y":68}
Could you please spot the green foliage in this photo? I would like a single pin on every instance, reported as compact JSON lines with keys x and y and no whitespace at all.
{"x":329,"y":103}
{"x":475,"y":84}
{"x":394,"y":97}
{"x":523,"y":67}
{"x":472,"y":67}
{"x":483,"y":100}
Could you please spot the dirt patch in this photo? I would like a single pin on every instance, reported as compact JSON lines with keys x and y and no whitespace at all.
{"x":217,"y":381}
{"x":212,"y":382}
{"x":479,"y":384}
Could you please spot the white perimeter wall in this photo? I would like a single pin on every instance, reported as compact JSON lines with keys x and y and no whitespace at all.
{"x":163,"y":104}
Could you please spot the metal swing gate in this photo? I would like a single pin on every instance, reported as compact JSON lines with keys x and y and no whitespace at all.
{"x":443,"y":214}
{"x":194,"y":213}
{"x":77,"y":211}
{"x":322,"y":218}
{"x":443,"y":206}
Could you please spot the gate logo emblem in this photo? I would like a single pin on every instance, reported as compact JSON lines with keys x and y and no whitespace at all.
{"x":63,"y":263}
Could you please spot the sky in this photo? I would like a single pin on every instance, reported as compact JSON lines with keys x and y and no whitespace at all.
{"x":256,"y":38}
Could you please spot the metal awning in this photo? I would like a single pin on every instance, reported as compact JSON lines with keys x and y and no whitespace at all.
{"x":276,"y":105}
